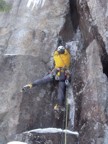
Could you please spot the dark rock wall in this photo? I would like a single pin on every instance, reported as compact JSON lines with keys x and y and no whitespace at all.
{"x":90,"y":81}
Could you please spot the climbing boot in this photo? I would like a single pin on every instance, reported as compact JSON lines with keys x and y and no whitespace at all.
{"x":58,"y":110}
{"x":26,"y":87}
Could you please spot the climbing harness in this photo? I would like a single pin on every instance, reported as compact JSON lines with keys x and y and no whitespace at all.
{"x":66,"y":77}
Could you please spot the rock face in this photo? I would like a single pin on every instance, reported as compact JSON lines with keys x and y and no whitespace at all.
{"x":27,"y":41}
{"x":90,"y":81}
{"x":92,"y":97}
{"x":93,"y":21}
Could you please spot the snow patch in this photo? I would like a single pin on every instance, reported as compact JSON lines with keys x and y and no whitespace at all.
{"x":53,"y":130}
{"x":35,"y":3}
{"x":16,"y":142}
{"x":106,"y":34}
{"x":76,"y":44}
{"x":71,"y":102}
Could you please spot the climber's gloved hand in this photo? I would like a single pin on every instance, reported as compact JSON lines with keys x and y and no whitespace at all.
{"x":27,"y":87}
{"x":53,"y":72}
{"x":67,"y":83}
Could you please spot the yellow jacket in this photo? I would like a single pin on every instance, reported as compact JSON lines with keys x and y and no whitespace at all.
{"x":62,"y":60}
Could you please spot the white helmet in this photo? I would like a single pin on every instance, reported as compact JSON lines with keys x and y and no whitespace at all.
{"x":60,"y":48}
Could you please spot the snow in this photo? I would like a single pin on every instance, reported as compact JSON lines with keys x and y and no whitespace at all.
{"x":53,"y":130}
{"x":106,"y":34}
{"x":76,"y":44}
{"x":10,"y":54}
{"x":71,"y":102}
{"x":47,"y":130}
{"x":35,"y":3}
{"x":16,"y":142}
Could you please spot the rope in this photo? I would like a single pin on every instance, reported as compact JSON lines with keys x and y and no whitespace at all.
{"x":66,"y":122}
{"x":62,"y":136}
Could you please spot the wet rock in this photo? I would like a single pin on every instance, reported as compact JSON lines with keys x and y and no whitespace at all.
{"x":92,"y":97}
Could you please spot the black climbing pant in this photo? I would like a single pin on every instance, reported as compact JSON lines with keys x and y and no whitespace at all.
{"x":44,"y":80}
{"x":61,"y":85}
{"x":61,"y":93}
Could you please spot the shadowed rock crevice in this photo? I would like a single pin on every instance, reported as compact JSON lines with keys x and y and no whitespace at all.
{"x":74,"y":14}
{"x":67,"y":31}
{"x":71,"y":23}
{"x":104,"y":59}
{"x":102,"y":50}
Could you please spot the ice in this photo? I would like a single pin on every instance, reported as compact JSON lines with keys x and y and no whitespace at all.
{"x":35,"y":3}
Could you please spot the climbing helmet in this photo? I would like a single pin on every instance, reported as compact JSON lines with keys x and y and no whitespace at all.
{"x":61,"y":49}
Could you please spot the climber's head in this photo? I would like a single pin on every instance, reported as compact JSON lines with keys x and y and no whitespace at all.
{"x":61,"y":49}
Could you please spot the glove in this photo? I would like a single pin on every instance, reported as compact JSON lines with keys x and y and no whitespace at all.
{"x":67,"y":83}
{"x":26,"y":87}
{"x":53,"y":72}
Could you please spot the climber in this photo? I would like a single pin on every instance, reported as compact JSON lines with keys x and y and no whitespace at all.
{"x":60,"y":73}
